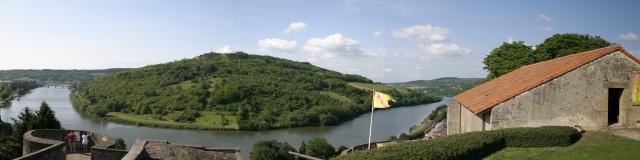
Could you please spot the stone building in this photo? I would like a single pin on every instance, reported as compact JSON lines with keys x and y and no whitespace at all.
{"x":592,"y":89}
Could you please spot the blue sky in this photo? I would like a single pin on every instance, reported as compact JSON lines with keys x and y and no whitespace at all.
{"x":387,"y":41}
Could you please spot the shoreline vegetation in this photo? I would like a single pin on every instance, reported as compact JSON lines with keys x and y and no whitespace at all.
{"x":15,"y":89}
{"x":251,"y":92}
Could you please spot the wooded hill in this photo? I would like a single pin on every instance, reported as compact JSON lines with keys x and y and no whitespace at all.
{"x":230,"y":91}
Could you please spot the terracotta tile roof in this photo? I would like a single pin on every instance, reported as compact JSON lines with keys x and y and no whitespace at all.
{"x":507,"y":86}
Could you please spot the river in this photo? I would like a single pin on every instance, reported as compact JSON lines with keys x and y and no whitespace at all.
{"x":385,"y":123}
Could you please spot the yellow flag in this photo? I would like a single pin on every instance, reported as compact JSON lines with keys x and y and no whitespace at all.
{"x":381,"y":100}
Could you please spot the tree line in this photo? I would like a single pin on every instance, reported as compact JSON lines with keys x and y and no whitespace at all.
{"x":12,"y":89}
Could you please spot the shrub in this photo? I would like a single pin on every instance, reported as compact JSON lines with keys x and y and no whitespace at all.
{"x":547,"y":136}
{"x":320,"y":148}
{"x":473,"y":145}
{"x":267,"y":150}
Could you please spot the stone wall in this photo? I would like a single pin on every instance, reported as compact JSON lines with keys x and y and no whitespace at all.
{"x":52,"y":152}
{"x":107,"y":154}
{"x":161,"y":149}
{"x":577,"y":98}
{"x":453,"y":118}
{"x":50,"y":144}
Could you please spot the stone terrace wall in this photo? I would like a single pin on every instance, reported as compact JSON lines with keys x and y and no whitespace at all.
{"x":55,"y":151}
{"x":50,"y":144}
{"x":107,"y":154}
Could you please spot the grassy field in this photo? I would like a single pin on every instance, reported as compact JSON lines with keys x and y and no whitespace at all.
{"x":593,"y":145}
{"x":207,"y":120}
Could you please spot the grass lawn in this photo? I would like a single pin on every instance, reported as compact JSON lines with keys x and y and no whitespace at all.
{"x":592,"y":145}
{"x":207,"y":120}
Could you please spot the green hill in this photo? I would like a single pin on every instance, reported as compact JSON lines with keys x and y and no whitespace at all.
{"x":229,"y":91}
{"x":446,"y":86}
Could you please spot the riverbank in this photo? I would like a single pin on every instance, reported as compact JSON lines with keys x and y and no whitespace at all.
{"x":207,"y":121}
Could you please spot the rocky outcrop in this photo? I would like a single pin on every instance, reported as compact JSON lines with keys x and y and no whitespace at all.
{"x":439,"y":130}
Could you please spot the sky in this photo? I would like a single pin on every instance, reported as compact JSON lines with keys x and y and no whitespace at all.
{"x":386,"y":41}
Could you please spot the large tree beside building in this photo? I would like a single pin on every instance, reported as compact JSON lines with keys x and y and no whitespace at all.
{"x":506,"y":58}
{"x":513,"y":55}
{"x":560,"y":45}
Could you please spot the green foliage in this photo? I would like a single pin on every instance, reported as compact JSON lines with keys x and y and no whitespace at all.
{"x":445,"y":86}
{"x":187,"y":116}
{"x":437,"y":115}
{"x":547,"y":136}
{"x":319,"y":148}
{"x":13,"y":89}
{"x":473,"y":145}
{"x":560,"y":45}
{"x":263,"y":92}
{"x":269,"y":150}
{"x":507,"y":57}
{"x":11,"y":147}
{"x":46,"y":118}
{"x":119,"y":144}
{"x":511,"y":56}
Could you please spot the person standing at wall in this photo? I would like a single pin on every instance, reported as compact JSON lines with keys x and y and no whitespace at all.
{"x":71,"y":137}
{"x":85,"y":141}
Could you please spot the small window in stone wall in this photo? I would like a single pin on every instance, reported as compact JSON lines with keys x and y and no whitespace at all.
{"x":635,"y":88}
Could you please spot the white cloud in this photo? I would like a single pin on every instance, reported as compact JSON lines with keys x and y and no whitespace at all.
{"x":376,"y":33}
{"x":225,"y":49}
{"x":510,"y":40}
{"x":433,"y":40}
{"x":295,"y":26}
{"x":388,"y":69}
{"x":277,"y":44}
{"x":422,"y":32}
{"x":333,"y":46}
{"x":545,"y":29}
{"x":446,"y":49}
{"x":629,"y":36}
{"x":544,"y":17}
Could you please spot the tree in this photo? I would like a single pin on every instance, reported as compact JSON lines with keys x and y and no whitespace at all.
{"x":302,"y":148}
{"x":320,"y":148}
{"x":119,"y":144}
{"x":46,"y":118}
{"x":560,"y":45}
{"x":268,"y":150}
{"x":506,"y":58}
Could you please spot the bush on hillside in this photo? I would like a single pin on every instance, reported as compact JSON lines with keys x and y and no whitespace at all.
{"x":473,"y":145}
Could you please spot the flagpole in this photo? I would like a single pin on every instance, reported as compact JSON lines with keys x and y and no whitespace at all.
{"x":371,"y":122}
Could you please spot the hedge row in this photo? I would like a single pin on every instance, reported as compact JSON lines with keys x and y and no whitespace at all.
{"x":473,"y":145}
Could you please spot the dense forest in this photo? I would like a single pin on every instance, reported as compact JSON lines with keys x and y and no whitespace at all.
{"x":12,"y":89}
{"x":256,"y":92}
{"x":446,"y":86}
{"x":56,"y":76}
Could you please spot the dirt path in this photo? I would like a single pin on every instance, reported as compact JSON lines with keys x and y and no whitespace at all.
{"x":627,"y":133}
